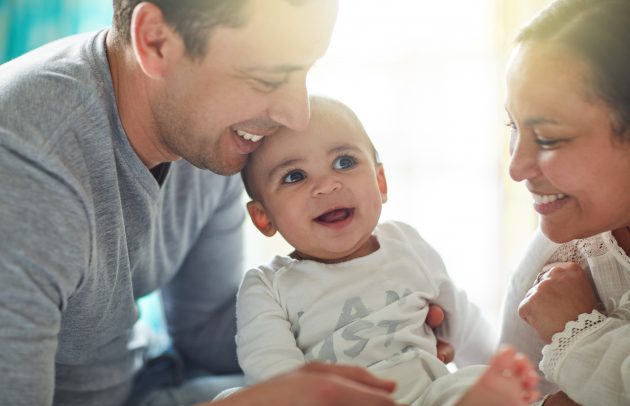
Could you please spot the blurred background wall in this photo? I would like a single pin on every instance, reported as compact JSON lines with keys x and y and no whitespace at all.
{"x":27,"y":24}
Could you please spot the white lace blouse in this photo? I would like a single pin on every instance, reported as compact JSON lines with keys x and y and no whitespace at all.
{"x":590,"y":359}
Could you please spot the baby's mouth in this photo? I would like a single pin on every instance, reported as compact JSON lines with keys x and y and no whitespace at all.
{"x":335,"y":215}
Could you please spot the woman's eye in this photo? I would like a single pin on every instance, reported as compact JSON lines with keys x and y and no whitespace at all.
{"x":344,"y":162}
{"x":546,"y":143}
{"x":293,"y":177}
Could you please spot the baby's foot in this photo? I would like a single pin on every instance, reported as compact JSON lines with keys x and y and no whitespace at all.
{"x":509,"y":380}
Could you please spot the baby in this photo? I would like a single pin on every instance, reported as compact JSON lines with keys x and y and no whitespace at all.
{"x":354,"y":291}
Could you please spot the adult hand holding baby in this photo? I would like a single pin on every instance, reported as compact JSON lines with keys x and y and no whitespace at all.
{"x":435,"y":318}
{"x":319,"y":384}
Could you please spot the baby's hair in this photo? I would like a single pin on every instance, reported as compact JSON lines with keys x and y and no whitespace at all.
{"x":318,"y":105}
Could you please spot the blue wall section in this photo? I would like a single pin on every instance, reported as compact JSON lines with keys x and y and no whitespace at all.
{"x":27,"y":24}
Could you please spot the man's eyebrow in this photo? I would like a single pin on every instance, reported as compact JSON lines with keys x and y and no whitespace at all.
{"x":282,"y":166}
{"x":271,"y":69}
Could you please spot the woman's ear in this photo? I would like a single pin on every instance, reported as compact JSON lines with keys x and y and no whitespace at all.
{"x":154,"y":42}
{"x":382,"y":182}
{"x":259,"y":217}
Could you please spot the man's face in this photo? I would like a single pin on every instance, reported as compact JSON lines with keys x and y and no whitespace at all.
{"x":214,"y":111}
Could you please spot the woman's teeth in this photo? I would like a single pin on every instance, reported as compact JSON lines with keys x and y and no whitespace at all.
{"x":544,"y":199}
{"x":248,"y":136}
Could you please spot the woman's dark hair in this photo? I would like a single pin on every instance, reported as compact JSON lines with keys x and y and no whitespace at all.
{"x":598,"y":31}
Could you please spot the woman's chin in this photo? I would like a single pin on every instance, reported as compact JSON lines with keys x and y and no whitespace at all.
{"x":557,"y":234}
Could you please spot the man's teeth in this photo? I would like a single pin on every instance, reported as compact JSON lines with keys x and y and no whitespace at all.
{"x":544,"y":199}
{"x":248,"y":136}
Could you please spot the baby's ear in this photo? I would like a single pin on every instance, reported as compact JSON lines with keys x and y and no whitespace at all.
{"x":382,"y":182}
{"x":259,"y":217}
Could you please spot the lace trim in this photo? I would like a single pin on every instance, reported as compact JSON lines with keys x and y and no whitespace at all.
{"x":612,"y":242}
{"x":582,"y":249}
{"x":555,"y":352}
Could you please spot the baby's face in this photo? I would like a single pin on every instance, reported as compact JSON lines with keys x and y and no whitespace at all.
{"x":321,"y":188}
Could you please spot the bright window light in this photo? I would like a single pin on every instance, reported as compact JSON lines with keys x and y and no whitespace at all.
{"x":426,"y":79}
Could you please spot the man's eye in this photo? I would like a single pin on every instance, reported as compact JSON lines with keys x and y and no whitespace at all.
{"x":293,"y":177}
{"x":271,"y":85}
{"x":344,"y":162}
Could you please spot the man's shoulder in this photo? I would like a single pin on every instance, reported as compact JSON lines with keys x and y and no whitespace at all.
{"x":51,"y":89}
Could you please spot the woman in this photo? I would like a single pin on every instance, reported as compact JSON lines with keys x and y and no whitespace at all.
{"x":569,"y":104}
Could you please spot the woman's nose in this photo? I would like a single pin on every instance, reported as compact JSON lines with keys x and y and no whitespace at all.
{"x":523,"y":161}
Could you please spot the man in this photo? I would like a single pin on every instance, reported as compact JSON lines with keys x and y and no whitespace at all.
{"x":104,"y":144}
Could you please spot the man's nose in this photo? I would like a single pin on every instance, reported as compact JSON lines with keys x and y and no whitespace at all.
{"x":291,"y":106}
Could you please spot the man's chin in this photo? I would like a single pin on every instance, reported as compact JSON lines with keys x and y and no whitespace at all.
{"x":223,"y":168}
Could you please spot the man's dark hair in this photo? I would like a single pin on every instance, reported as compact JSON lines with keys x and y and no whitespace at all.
{"x":192,"y":19}
{"x":598,"y":32}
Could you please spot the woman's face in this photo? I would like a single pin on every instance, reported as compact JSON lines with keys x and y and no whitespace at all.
{"x":563,"y":145}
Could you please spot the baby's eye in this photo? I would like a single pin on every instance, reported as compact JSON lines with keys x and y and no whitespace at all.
{"x":344,"y":162}
{"x":293,"y":177}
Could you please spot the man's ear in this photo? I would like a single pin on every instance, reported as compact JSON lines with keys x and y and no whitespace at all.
{"x":154,"y":42}
{"x":259,"y":217}
{"x":382,"y":182}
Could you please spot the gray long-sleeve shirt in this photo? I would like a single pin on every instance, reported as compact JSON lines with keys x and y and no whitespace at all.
{"x":85,"y":230}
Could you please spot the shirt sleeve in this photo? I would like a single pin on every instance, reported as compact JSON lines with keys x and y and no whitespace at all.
{"x":265,"y":342}
{"x":464,"y":326}
{"x":590,"y":359}
{"x":199,"y":302}
{"x":44,"y":252}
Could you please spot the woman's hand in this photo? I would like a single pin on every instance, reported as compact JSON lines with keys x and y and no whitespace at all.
{"x":561,"y":292}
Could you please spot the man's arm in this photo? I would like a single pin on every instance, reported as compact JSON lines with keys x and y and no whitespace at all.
{"x":200,"y":300}
{"x":44,"y":248}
